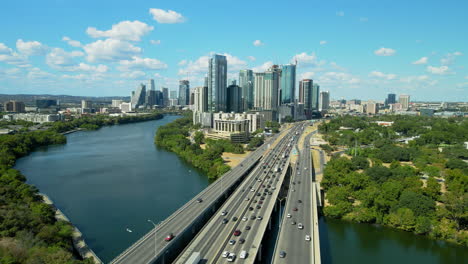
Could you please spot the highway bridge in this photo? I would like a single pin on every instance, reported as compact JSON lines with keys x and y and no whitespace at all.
{"x":241,"y":200}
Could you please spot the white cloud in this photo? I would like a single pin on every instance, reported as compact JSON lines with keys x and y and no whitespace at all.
{"x":80,"y":76}
{"x":336,"y":66}
{"x":4,"y":49}
{"x":261,"y":68}
{"x":166,"y":17}
{"x":7,"y":55}
{"x":110,"y":50}
{"x":141,"y":64}
{"x":450,"y":58}
{"x":340,"y":13}
{"x":338,"y":78}
{"x":413,"y":79}
{"x":13,"y":73}
{"x":304,"y":60}
{"x":258,"y":43}
{"x":125,"y":30}
{"x":363,"y":19}
{"x":422,"y":60}
{"x":385,"y":52}
{"x":442,"y":70}
{"x":155,"y":42}
{"x":30,"y":48}
{"x":71,"y":42}
{"x":251,"y":58}
{"x":61,"y":60}
{"x":389,"y":76}
{"x":323,"y":42}
{"x":134,"y":75}
{"x":234,"y":63}
{"x":307,"y":75}
{"x":36,"y":73}
{"x":200,"y":66}
{"x":182,"y":63}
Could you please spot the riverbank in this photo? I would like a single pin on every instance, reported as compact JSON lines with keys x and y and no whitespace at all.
{"x":79,"y":242}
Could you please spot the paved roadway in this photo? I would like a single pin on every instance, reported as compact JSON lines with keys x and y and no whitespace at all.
{"x":291,"y":239}
{"x":214,"y":237}
{"x":152,"y":245}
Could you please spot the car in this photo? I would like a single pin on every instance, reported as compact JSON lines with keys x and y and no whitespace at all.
{"x":282,"y":254}
{"x":247,"y":199}
{"x":260,"y":202}
{"x":225,"y":254}
{"x":252,"y":190}
{"x":223,"y":213}
{"x":305,"y":168}
{"x":258,"y":207}
{"x":293,"y":222}
{"x":259,"y":218}
{"x":307,"y":238}
{"x":251,"y":208}
{"x":169,"y":237}
{"x":293,"y":190}
{"x":241,"y":241}
{"x":262,"y":198}
{"x":288,"y":215}
{"x":243,"y":190}
{"x":232,"y":242}
{"x":255,"y":201}
{"x":225,"y":220}
{"x":293,"y":183}
{"x":199,"y":200}
{"x":244,"y":218}
{"x":253,"y":217}
{"x":273,"y":188}
{"x":237,"y":232}
{"x":300,"y":226}
{"x":299,"y":201}
{"x":247,"y":228}
{"x":295,"y":209}
{"x":243,"y":254}
{"x":263,"y":185}
{"x":231,"y":257}
{"x":234,"y":219}
{"x":298,"y":182}
{"x":258,"y":194}
{"x":270,"y":193}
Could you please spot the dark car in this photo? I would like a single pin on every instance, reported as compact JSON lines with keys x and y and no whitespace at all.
{"x":241,"y":241}
{"x":262,"y":198}
{"x":295,"y":209}
{"x":253,"y":217}
{"x":199,"y":200}
{"x":299,"y":201}
{"x":258,"y":194}
{"x":258,"y":207}
{"x":234,"y":219}
{"x":260,"y":202}
{"x":251,"y":208}
{"x":247,"y":228}
{"x":282,"y":254}
{"x":237,"y":232}
{"x":225,"y":220}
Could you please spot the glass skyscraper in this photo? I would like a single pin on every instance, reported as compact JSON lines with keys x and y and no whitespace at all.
{"x":315,"y":97}
{"x":184,"y":92}
{"x":217,"y":84}
{"x":246,"y":82}
{"x":288,"y":84}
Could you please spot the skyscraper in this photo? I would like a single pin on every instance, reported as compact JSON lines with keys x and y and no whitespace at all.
{"x":138,"y":97}
{"x":305,"y":93}
{"x":246,"y":82}
{"x":315,"y":97}
{"x":324,"y":101}
{"x":173,"y":95}
{"x":201,"y":99}
{"x":151,"y":84}
{"x":217,"y":83}
{"x":391,"y":99}
{"x":404,"y":100}
{"x":15,"y":106}
{"x":184,"y":92}
{"x":165,"y":92}
{"x":288,"y":83}
{"x":234,"y":98}
{"x":266,"y":89}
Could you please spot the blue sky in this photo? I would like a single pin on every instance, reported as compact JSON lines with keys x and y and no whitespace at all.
{"x":362,"y":49}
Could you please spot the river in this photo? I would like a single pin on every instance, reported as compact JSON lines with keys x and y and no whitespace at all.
{"x":115,"y":178}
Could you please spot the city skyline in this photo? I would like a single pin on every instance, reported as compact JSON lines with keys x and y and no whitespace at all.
{"x":354,"y":52}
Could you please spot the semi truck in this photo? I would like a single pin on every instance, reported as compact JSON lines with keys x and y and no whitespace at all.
{"x":194,"y":258}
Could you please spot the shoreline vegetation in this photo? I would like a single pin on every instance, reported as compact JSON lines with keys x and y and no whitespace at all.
{"x":419,"y":187}
{"x":176,"y":137}
{"x":29,"y":231}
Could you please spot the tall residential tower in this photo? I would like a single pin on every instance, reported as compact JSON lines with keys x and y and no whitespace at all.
{"x":217,"y":83}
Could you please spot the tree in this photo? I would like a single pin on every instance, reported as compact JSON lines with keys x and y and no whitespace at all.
{"x":379,"y":173}
{"x":423,"y":225}
{"x":360,"y":163}
{"x":403,"y":218}
{"x":432,"y":189}
{"x":199,"y":137}
{"x":420,"y":204}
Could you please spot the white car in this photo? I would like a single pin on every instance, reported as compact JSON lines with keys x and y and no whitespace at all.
{"x":300,"y":226}
{"x":288,"y":216}
{"x":244,"y":218}
{"x":247,"y":199}
{"x":307,"y":238}
{"x":231,"y":257}
{"x":225,"y":254}
{"x":223,"y":213}
{"x":243,"y":254}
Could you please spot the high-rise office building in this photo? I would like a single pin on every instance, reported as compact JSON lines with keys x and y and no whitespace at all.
{"x":372,"y":108}
{"x":404,"y":100}
{"x":288,"y":83}
{"x":391,"y":99}
{"x":86,"y":104}
{"x":138,"y":97}
{"x":266,"y":89}
{"x":151,"y":85}
{"x":165,"y":92}
{"x":44,"y":103}
{"x":14,"y":106}
{"x":201,"y":99}
{"x":158,"y":98}
{"x":324,"y":102}
{"x":234,"y":98}
{"x":150,"y":99}
{"x":305,"y":93}
{"x":217,"y":83}
{"x":315,"y":96}
{"x":173,"y":95}
{"x":246,"y":82}
{"x":184,"y":92}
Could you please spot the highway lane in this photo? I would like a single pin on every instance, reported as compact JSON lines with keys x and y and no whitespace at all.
{"x":292,"y":239}
{"x":153,"y":244}
{"x":215,"y":234}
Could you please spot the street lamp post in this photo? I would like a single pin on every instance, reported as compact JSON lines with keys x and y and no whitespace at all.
{"x":155,"y":240}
